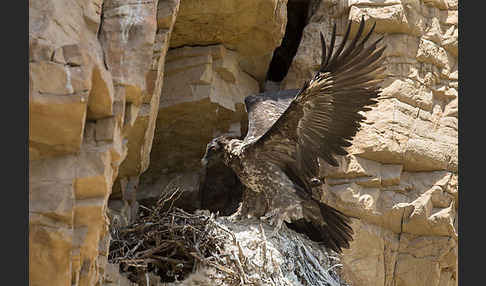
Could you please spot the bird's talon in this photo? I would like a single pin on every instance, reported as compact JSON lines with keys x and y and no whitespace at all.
{"x":274,"y":218}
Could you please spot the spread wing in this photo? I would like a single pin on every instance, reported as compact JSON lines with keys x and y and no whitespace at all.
{"x":324,"y":116}
{"x":264,"y":109}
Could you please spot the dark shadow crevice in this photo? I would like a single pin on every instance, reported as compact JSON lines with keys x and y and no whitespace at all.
{"x":283,"y":55}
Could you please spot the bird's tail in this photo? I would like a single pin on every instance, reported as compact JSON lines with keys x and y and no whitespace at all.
{"x":321,"y":223}
{"x":332,"y":228}
{"x":336,"y":232}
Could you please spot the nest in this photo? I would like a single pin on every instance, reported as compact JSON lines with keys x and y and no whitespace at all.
{"x":201,"y":249}
{"x":167,"y":241}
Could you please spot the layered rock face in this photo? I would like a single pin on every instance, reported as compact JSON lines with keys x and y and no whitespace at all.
{"x":96,"y":71}
{"x":400,"y":179}
{"x":220,"y":52}
{"x":125,"y":94}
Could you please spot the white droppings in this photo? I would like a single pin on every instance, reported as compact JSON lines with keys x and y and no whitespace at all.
{"x":128,"y":15}
{"x":69,"y":85}
{"x":131,"y":15}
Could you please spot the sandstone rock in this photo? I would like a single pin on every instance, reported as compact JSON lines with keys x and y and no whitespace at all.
{"x":53,"y":198}
{"x":252,"y":28}
{"x":373,"y":254}
{"x":167,"y":12}
{"x":202,"y":96}
{"x":40,"y":50}
{"x":63,"y":51}
{"x":93,"y":183}
{"x":70,"y":192}
{"x":101,"y":97}
{"x":50,"y":249}
{"x":127,"y":36}
{"x":42,"y":74}
{"x":71,"y":173}
{"x":140,"y":134}
{"x":427,"y":257}
{"x":210,"y":72}
{"x":56,"y":124}
{"x":92,"y":14}
{"x":113,"y":277}
{"x":51,"y":219}
{"x":415,"y":205}
{"x":94,"y":175}
{"x":187,"y":182}
{"x":242,"y":19}
{"x":450,"y":41}
{"x":99,"y":79}
{"x":430,"y":52}
{"x":393,"y":180}
{"x":90,"y":226}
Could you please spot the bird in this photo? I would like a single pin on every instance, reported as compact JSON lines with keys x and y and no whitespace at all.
{"x":289,"y":130}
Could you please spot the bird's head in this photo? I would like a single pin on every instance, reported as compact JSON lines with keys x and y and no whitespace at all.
{"x":214,"y":152}
{"x":213,"y":156}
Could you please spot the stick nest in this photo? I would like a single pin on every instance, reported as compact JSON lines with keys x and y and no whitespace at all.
{"x":199,"y":249}
{"x":167,"y":241}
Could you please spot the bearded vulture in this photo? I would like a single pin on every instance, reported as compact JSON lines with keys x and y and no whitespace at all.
{"x":277,"y":161}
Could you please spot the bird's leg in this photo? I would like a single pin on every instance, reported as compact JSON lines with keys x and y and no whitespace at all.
{"x":252,"y":205}
{"x":275,"y":219}
{"x":237,"y":215}
{"x":283,"y":207}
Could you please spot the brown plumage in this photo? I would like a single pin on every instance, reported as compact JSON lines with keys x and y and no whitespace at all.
{"x":288,"y":131}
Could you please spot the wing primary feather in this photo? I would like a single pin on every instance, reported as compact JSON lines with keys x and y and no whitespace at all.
{"x":363,"y":41}
{"x":359,"y":58}
{"x":369,"y":34}
{"x":351,"y":47}
{"x":323,"y":47}
{"x":335,"y":57}
{"x":331,"y":46}
{"x":365,"y":67}
{"x":339,"y":225}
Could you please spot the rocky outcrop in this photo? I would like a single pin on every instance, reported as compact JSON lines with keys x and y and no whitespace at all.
{"x":125,"y":94}
{"x":202,"y":96}
{"x":400,"y":179}
{"x":252,"y":28}
{"x":142,"y":115}
{"x":96,"y":70}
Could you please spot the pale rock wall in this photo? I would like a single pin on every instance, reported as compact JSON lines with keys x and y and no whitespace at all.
{"x":400,"y":179}
{"x":252,"y":28}
{"x":95,"y":75}
{"x":140,"y":135}
{"x":203,"y":92}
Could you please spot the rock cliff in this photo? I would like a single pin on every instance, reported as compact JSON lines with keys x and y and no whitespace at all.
{"x":95,"y":76}
{"x":400,"y":180}
{"x":125,"y":94}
